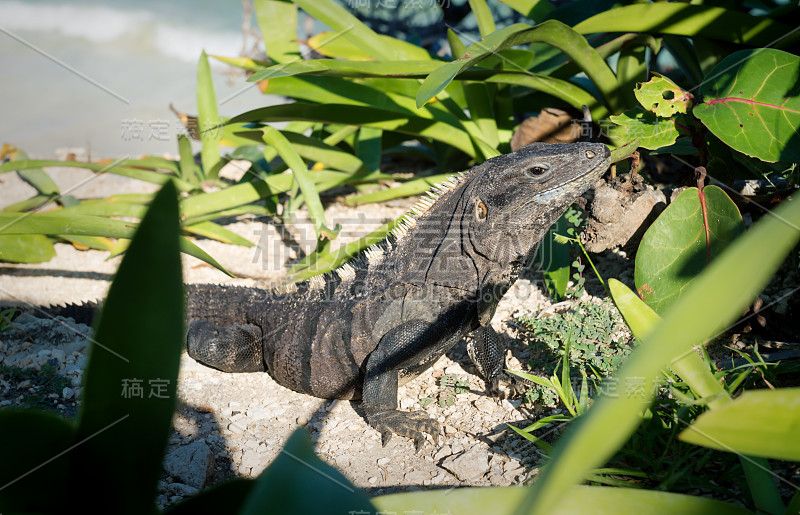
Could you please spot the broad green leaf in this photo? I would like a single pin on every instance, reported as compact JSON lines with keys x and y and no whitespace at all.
{"x":759,"y":423}
{"x":688,"y":20}
{"x":631,"y":69}
{"x":653,"y":132}
{"x":673,"y":251}
{"x":365,"y":116}
{"x":39,"y":179}
{"x":285,"y":484}
{"x":34,"y":451}
{"x":554,"y":258}
{"x":278,"y":23}
{"x":217,"y":232}
{"x":598,"y":500}
{"x":104,"y":207}
{"x":330,"y":156}
{"x":341,"y":21}
{"x":715,"y":299}
{"x":145,"y":347}
{"x":278,"y":141}
{"x":535,"y":10}
{"x":26,"y":248}
{"x":662,"y":96}
{"x":114,"y":168}
{"x":752,"y":103}
{"x":208,"y":120}
{"x":552,"y":32}
{"x":245,"y":63}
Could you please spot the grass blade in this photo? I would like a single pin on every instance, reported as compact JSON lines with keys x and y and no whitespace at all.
{"x":208,"y":120}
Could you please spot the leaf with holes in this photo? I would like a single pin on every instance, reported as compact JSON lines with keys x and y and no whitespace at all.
{"x":662,"y":96}
{"x":651,"y":131}
{"x":673,"y":251}
{"x":751,"y":101}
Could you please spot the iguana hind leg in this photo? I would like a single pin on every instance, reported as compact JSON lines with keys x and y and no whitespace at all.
{"x":237,"y":348}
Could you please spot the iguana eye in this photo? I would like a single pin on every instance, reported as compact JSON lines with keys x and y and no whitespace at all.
{"x":538,"y":171}
{"x":590,"y":154}
{"x":480,"y":210}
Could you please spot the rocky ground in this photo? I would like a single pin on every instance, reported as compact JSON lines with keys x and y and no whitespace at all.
{"x":235,"y":424}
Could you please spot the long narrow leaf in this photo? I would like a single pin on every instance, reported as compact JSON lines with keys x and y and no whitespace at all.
{"x":127,"y":171}
{"x":208,"y":120}
{"x":144,"y":348}
{"x":278,"y":141}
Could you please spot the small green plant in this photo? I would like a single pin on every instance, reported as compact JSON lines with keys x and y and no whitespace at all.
{"x":595,"y":331}
{"x":451,"y":385}
{"x":39,"y":385}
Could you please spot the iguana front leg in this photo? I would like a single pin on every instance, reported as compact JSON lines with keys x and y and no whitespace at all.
{"x":405,"y":347}
{"x":487,"y":351}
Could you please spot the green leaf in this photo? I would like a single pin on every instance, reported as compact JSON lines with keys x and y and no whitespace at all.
{"x":407,"y":189}
{"x":708,"y":305}
{"x":598,"y":500}
{"x":126,"y":170}
{"x":189,"y":171}
{"x":233,"y":196}
{"x":751,"y":101}
{"x":653,"y":132}
{"x":444,"y":131}
{"x":662,"y":96}
{"x":92,"y":242}
{"x":217,"y":232}
{"x":208,"y":120}
{"x":554,"y":258}
{"x":321,"y":262}
{"x":278,"y":23}
{"x":535,"y":10}
{"x":759,"y":423}
{"x":688,"y":20}
{"x":641,"y":319}
{"x":354,"y":69}
{"x":139,"y":337}
{"x":552,"y":32}
{"x":341,"y":21}
{"x":278,"y":141}
{"x":368,"y":149}
{"x":673,"y":251}
{"x":26,"y":248}
{"x":285,"y":484}
{"x":483,"y":16}
{"x":35,"y":452}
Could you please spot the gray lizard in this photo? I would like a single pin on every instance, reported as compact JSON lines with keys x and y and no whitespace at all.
{"x":389,"y":314}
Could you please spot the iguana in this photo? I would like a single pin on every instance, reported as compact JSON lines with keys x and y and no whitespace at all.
{"x":389,"y":314}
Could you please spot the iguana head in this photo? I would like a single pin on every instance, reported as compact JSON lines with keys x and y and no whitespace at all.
{"x":513,"y":199}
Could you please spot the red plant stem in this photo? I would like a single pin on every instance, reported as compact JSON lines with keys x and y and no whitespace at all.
{"x":700,"y":173}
